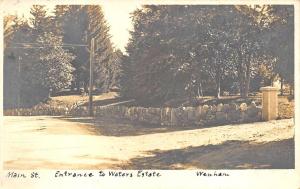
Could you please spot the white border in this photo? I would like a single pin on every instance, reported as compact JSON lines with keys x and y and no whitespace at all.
{"x":275,"y":179}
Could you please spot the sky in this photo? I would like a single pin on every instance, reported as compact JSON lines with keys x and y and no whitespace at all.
{"x":117,"y":14}
{"x":118,"y":17}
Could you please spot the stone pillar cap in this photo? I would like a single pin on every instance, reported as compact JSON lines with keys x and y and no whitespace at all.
{"x":268,"y":88}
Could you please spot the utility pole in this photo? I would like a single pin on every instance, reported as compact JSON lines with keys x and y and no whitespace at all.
{"x":91,"y":113}
{"x":19,"y":83}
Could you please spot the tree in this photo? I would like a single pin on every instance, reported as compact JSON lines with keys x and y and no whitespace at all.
{"x":218,"y":49}
{"x":116,"y":69}
{"x":159,"y":62}
{"x":54,"y":69}
{"x":36,"y":59}
{"x":177,"y":51}
{"x":8,"y":28}
{"x":99,"y":30}
{"x":148,"y":56}
{"x":268,"y":27}
{"x":15,"y":71}
{"x":281,"y":35}
{"x":185,"y":51}
{"x":40,"y":21}
{"x":277,"y":30}
{"x":80,"y":24}
{"x":60,"y":19}
{"x":73,"y":21}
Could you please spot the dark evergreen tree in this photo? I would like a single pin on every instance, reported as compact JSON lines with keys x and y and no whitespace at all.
{"x":40,"y":21}
{"x":81,"y":23}
{"x":99,"y":30}
{"x":74,"y":25}
{"x":60,"y":19}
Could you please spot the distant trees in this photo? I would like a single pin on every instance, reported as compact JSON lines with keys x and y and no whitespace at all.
{"x":15,"y":74}
{"x":105,"y":62}
{"x":73,"y":24}
{"x":186,"y":51}
{"x":47,"y":53}
{"x":281,"y":36}
{"x":8,"y":28}
{"x":79,"y":24}
{"x":40,"y":21}
{"x":52,"y":65}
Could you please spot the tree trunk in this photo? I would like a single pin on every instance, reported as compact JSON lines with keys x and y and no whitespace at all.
{"x":50,"y":93}
{"x":218,"y":92}
{"x":86,"y":87}
{"x":77,"y":83}
{"x":244,"y":86}
{"x":246,"y":81}
{"x":281,"y":86}
{"x":72,"y":86}
{"x":221,"y":88}
{"x":242,"y":91}
{"x":241,"y":74}
{"x":200,"y":92}
{"x":218,"y":82}
{"x":247,"y":86}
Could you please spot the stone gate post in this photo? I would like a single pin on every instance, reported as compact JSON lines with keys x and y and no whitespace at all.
{"x":269,"y":103}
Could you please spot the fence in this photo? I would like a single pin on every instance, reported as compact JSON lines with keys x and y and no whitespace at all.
{"x":201,"y":115}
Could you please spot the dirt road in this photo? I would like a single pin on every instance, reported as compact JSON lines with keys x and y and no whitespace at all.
{"x":44,"y":142}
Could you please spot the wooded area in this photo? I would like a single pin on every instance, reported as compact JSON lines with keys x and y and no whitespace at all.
{"x":206,"y":50}
{"x":175,"y":51}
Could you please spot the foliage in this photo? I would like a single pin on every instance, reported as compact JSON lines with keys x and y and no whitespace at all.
{"x":39,"y":22}
{"x":282,"y":37}
{"x":81,"y":23}
{"x":15,"y":72}
{"x":35,"y":59}
{"x":175,"y":51}
{"x":54,"y":69}
{"x":192,"y":51}
{"x":8,"y":28}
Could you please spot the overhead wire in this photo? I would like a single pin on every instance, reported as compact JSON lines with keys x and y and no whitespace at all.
{"x":43,"y":46}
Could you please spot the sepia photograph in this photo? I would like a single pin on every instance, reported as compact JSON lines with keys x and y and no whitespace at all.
{"x":148,"y":86}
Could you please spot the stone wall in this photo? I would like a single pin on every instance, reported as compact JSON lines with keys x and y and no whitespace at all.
{"x":41,"y":110}
{"x":201,"y":115}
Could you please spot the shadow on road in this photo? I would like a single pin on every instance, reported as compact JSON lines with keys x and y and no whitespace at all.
{"x":228,"y":155}
{"x":123,"y":127}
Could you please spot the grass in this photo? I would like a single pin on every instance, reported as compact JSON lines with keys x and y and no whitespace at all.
{"x":81,"y":99}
